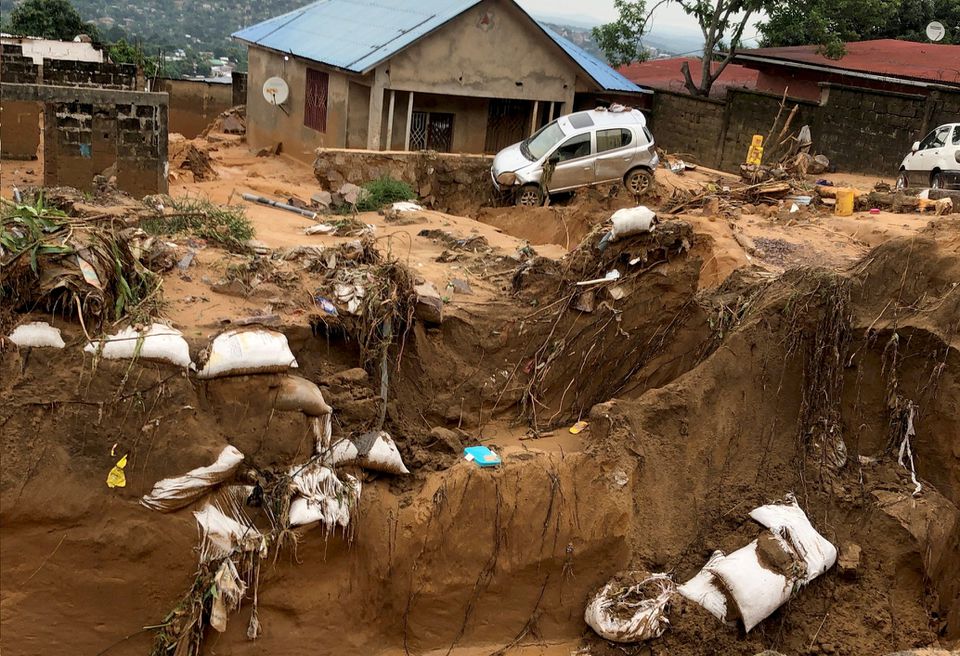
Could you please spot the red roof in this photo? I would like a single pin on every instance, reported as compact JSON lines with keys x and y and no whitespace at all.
{"x":665,"y":74}
{"x":930,"y":62}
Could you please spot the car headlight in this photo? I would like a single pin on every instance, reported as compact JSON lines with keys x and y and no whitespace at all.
{"x":507,"y":178}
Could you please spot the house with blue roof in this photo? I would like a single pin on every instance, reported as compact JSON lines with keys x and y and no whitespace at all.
{"x":467,"y":76}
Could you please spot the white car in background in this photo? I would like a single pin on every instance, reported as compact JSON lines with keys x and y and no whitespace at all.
{"x":934,"y":161}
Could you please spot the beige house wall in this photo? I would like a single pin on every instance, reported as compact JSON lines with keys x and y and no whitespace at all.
{"x":195,"y":103}
{"x":268,"y":124}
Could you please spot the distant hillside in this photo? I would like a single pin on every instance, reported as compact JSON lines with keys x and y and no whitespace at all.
{"x":661,"y":41}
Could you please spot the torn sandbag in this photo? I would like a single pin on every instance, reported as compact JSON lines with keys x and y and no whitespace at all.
{"x":632,"y":607}
{"x":301,"y":395}
{"x":173,"y":493}
{"x":246,"y":352}
{"x":37,"y":334}
{"x":227,"y":591}
{"x":703,"y":590}
{"x":631,"y":221}
{"x":791,"y":523}
{"x":224,"y":531}
{"x":375,"y":451}
{"x":158,"y":342}
{"x":322,"y":497}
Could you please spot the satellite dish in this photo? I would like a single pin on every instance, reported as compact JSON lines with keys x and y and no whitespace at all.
{"x":275,"y":91}
{"x":935,"y":31}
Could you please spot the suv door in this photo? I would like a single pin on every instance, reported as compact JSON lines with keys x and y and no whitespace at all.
{"x":616,"y":148}
{"x":920,"y":163}
{"x":574,"y":165}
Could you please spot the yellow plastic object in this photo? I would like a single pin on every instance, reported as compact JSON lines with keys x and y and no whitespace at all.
{"x":844,"y":206}
{"x":578,"y":427}
{"x":116,"y":477}
{"x":755,"y":152}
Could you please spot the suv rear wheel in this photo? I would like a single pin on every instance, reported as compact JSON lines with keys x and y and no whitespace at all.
{"x":936,"y":180}
{"x":902,"y":181}
{"x":529,"y":195}
{"x":638,"y":181}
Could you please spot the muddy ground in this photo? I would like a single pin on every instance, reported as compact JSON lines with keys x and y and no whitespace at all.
{"x":714,"y":379}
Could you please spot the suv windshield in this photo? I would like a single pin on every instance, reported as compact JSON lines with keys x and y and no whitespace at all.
{"x":540,"y":143}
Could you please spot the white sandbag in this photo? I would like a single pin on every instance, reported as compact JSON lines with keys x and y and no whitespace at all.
{"x":301,"y":395}
{"x":37,"y":334}
{"x":624,"y":612}
{"x":158,"y":342}
{"x":791,"y":523}
{"x":405,"y":206}
{"x":632,"y":221}
{"x":248,"y":351}
{"x":756,"y":590}
{"x":375,"y":451}
{"x":221,"y":533}
{"x":172,"y":493}
{"x":322,"y":497}
{"x":702,"y":590}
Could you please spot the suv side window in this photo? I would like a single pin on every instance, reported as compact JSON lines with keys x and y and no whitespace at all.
{"x":613,"y":139}
{"x":956,"y":136}
{"x":574,"y":147}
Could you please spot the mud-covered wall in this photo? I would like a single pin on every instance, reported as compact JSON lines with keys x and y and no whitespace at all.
{"x":860,"y":130}
{"x":268,"y":124}
{"x":455,"y":182}
{"x":195,"y":103}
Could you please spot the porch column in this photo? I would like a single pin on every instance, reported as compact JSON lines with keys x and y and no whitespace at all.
{"x":533,"y":116}
{"x":406,"y":139}
{"x":375,"y":117}
{"x":550,"y":118}
{"x":393,"y":94}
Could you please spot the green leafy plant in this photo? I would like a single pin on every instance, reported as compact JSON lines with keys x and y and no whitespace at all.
{"x":384,"y":191}
{"x":226,"y":225}
{"x":32,"y":231}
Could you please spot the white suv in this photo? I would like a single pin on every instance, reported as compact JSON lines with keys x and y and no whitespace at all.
{"x":934,"y":161}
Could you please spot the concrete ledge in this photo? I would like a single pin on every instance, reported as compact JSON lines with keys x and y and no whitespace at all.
{"x":49,"y":93}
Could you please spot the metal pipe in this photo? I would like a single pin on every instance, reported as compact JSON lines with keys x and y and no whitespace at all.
{"x":253,"y":198}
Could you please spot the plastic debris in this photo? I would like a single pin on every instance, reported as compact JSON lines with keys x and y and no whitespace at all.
{"x":375,"y":451}
{"x":579,"y":427}
{"x":322,"y":497}
{"x":158,"y":342}
{"x":228,"y":590}
{"x":173,"y":493}
{"x":37,"y":334}
{"x":481,"y":455}
{"x":248,"y":351}
{"x":320,"y":229}
{"x":116,"y":477}
{"x":405,"y":206}
{"x":610,"y":277}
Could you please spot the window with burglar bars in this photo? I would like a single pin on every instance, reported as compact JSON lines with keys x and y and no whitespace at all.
{"x":431,"y":131}
{"x":315,"y":100}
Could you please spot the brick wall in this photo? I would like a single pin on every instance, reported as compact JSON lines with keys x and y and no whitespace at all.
{"x":16,"y":68}
{"x":860,"y":130}
{"x":691,"y":126}
{"x":66,"y":73}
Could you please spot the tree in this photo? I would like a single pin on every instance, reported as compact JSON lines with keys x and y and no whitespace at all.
{"x":620,"y":40}
{"x":721,"y":21}
{"x":50,"y":19}
{"x":831,"y":23}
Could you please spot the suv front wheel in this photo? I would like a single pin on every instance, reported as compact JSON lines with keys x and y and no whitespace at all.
{"x":638,"y":181}
{"x":936,"y":180}
{"x":529,"y":195}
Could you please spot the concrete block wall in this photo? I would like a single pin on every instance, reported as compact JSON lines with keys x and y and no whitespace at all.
{"x":754,"y":112}
{"x":89,"y":74}
{"x":195,"y":103}
{"x":16,"y":68}
{"x":19,"y":120}
{"x":692,"y":126}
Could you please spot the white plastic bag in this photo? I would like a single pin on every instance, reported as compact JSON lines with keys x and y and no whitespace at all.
{"x":157,"y":342}
{"x":375,"y":451}
{"x":791,"y":523}
{"x":632,"y":221}
{"x":37,"y":334}
{"x":228,"y":590}
{"x":221,"y":533}
{"x":172,"y":493}
{"x":631,"y":612}
{"x":702,"y":590}
{"x":248,"y":351}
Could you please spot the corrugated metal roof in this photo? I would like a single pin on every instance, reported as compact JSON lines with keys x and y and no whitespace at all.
{"x":607,"y":78}
{"x":929,"y":62}
{"x":354,"y":35}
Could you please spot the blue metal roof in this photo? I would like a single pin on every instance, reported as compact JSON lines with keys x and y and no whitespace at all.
{"x":596,"y":68}
{"x":354,"y":35}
